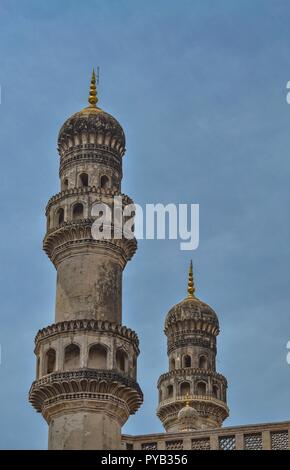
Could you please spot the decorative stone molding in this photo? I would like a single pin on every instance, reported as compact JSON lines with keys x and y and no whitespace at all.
{"x":196,"y":373}
{"x":82,"y":246}
{"x":87,"y":325}
{"x":182,"y":341}
{"x":79,"y":128}
{"x":78,"y":232}
{"x":126,"y":200}
{"x":99,"y":154}
{"x":180,"y":399}
{"x":197,"y":322}
{"x":85,"y":384}
{"x":192,"y":313}
{"x":211,"y":411}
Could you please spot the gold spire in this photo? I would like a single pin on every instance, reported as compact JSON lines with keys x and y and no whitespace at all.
{"x":190,"y":285}
{"x":187,"y":400}
{"x":93,"y":99}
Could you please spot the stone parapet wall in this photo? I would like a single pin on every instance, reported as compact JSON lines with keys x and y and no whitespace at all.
{"x":270,"y":436}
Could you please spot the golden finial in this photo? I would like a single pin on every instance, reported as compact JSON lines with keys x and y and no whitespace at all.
{"x":190,"y":285}
{"x":187,"y":399}
{"x":93,"y":99}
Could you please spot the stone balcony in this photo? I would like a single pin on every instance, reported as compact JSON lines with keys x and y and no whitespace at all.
{"x":271,"y":436}
{"x":181,"y":399}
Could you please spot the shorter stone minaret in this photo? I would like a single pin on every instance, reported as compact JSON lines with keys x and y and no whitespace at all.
{"x":191,"y":328}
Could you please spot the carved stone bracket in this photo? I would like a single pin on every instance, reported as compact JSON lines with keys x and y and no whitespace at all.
{"x":78,"y":232}
{"x":85,"y":384}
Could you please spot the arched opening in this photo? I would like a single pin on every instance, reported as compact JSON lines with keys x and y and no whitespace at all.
{"x":65,"y":184}
{"x":215,"y":391}
{"x":172,"y":364}
{"x":104,"y":182}
{"x":169,"y":391}
{"x":186,"y":361}
{"x":60,"y":216}
{"x":71,"y":357}
{"x":201,"y":388}
{"x":202,"y":362}
{"x":78,"y":211}
{"x":50,"y":361}
{"x":97,"y":357}
{"x":121,"y":360}
{"x":84,"y":180}
{"x":184,"y":388}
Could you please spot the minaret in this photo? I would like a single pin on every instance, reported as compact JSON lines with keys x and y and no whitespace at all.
{"x":85,"y":383}
{"x":192,"y":395}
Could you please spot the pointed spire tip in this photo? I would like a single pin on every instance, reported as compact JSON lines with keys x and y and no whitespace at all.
{"x":190,"y":285}
{"x":93,"y":98}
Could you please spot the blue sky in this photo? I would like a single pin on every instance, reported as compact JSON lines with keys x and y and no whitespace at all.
{"x":200,"y":90}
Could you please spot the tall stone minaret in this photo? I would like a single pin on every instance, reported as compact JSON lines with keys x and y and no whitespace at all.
{"x":85,"y":383}
{"x":192,"y":395}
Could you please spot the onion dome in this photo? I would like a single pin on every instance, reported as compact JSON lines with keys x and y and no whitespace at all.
{"x":92,"y":125}
{"x":187,"y":417}
{"x":193,"y":309}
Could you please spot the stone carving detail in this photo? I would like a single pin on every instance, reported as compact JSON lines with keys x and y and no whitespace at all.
{"x":227,"y":443}
{"x":200,"y":444}
{"x":279,"y":440}
{"x":198,"y":312}
{"x":149,"y":446}
{"x":126,"y":200}
{"x":102,"y":155}
{"x":79,"y":231}
{"x":85,"y":383}
{"x":99,"y":123}
{"x":174,"y":344}
{"x":167,"y":412}
{"x":174,"y":445}
{"x":253,"y":441}
{"x":87,"y":325}
{"x":197,"y":373}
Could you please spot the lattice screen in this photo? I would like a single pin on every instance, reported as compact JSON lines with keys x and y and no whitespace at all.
{"x":200,"y":444}
{"x":149,"y":446}
{"x":227,"y":442}
{"x":253,"y":441}
{"x":279,"y":440}
{"x":174,"y":445}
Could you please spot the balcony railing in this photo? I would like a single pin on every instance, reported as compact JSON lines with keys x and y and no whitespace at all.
{"x":181,"y":398}
{"x":271,"y":436}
